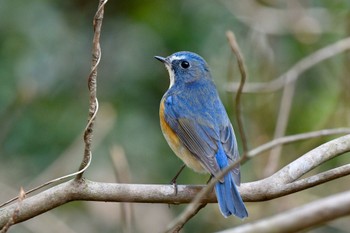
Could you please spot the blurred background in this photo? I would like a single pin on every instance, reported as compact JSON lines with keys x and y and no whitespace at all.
{"x":45,"y":54}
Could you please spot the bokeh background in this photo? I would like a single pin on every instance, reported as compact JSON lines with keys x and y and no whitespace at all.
{"x":45,"y":56}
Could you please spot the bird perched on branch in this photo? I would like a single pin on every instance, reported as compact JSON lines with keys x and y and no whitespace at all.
{"x":196,"y":126}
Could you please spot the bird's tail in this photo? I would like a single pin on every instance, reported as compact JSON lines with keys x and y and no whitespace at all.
{"x":229,"y":199}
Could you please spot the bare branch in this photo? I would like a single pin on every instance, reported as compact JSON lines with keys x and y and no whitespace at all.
{"x":122,"y":173}
{"x":289,"y":85}
{"x":287,"y":81}
{"x":281,"y":126}
{"x":95,"y":191}
{"x":281,"y":183}
{"x":235,"y":49}
{"x":318,"y":179}
{"x":93,"y":108}
{"x":272,"y":186}
{"x":180,"y":223}
{"x":296,"y":137}
{"x":300,"y":218}
{"x":295,"y":71}
{"x":92,"y":84}
{"x":14,"y":216}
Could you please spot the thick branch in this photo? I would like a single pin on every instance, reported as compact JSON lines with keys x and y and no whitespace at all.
{"x":279,"y":183}
{"x":297,"y":219}
{"x":94,"y":191}
{"x":275,"y":186}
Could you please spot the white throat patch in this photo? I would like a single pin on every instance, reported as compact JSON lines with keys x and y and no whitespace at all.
{"x":171,"y":76}
{"x":170,"y":71}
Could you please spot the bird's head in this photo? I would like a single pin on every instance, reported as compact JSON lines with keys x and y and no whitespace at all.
{"x":185,"y":67}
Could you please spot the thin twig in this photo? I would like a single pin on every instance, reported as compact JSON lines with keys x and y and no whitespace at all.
{"x":188,"y":213}
{"x":235,"y":49}
{"x":285,"y":107}
{"x":92,"y":85}
{"x":296,"y":137}
{"x":281,"y":126}
{"x":93,"y":108}
{"x":181,"y":224}
{"x":288,"y":82}
{"x":295,"y":71}
{"x":49,"y":182}
{"x":122,"y":173}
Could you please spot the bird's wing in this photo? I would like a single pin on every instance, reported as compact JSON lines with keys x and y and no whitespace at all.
{"x":199,"y":139}
{"x":202,"y":139}
{"x":229,"y":143}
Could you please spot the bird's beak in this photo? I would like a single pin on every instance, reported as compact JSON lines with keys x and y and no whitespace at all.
{"x":162,"y":59}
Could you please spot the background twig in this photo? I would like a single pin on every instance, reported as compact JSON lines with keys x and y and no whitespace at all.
{"x":294,"y":72}
{"x":92,"y":85}
{"x":235,"y":49}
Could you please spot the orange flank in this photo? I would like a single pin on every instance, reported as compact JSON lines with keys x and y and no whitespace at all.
{"x":168,"y":132}
{"x":175,"y":144}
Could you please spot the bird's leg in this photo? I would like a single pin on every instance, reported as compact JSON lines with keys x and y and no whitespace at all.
{"x":173,"y":181}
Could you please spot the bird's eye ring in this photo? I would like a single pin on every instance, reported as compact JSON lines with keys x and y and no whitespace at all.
{"x":185,"y":64}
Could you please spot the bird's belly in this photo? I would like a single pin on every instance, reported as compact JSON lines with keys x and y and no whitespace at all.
{"x":185,"y":155}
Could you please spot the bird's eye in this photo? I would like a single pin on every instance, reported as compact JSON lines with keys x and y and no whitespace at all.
{"x":185,"y":64}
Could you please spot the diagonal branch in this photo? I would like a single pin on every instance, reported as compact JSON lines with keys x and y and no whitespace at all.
{"x":273,"y":186}
{"x":279,"y":183}
{"x":294,"y":72}
{"x":300,"y":218}
{"x":296,"y":137}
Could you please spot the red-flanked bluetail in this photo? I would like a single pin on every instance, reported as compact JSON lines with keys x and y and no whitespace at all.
{"x":196,"y":126}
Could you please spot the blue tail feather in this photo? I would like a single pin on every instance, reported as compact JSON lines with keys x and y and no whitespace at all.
{"x":229,"y":199}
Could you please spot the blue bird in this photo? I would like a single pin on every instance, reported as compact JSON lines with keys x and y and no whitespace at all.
{"x":196,"y":126}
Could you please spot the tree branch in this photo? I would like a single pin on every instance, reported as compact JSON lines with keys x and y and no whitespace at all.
{"x":296,"y":137}
{"x":95,"y":191}
{"x":284,"y":182}
{"x":281,"y":183}
{"x":235,"y":49}
{"x":92,"y":85}
{"x":297,"y":219}
{"x":273,"y":186}
{"x":294,"y":72}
